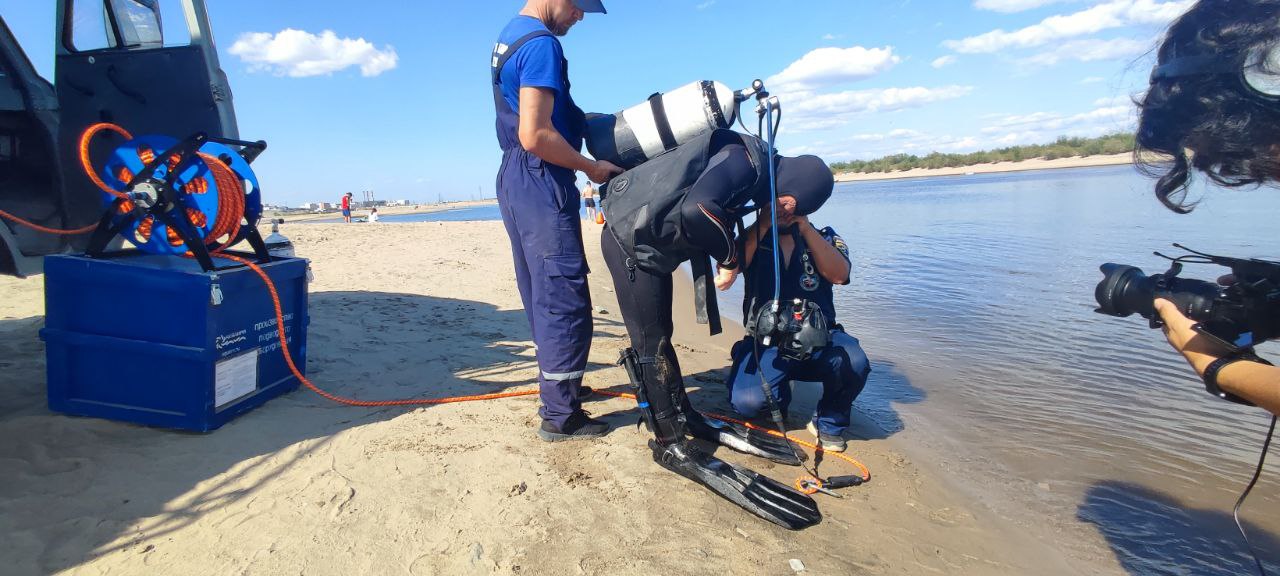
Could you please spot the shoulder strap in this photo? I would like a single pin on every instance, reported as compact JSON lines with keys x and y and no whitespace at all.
{"x":503,"y":52}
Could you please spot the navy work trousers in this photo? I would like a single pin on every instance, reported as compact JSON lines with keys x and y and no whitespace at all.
{"x":842,"y":368}
{"x":539,"y":204}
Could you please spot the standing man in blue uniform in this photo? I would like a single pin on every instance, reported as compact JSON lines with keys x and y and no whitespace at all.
{"x":813,"y":261}
{"x":540,"y":130}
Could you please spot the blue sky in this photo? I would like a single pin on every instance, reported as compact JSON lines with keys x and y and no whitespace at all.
{"x":394,"y":96}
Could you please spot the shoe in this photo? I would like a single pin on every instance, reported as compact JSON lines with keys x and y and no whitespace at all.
{"x":579,"y":426}
{"x":828,"y":442}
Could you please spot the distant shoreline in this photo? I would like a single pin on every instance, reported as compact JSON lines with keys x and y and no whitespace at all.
{"x":424,"y":208}
{"x":992,"y":168}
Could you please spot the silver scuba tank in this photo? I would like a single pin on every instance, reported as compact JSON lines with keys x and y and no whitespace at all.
{"x":277,"y":244}
{"x":646,"y":130}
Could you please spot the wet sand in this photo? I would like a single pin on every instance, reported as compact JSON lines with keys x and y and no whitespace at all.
{"x":302,"y":485}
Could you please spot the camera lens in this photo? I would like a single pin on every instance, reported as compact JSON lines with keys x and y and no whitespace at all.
{"x":1124,"y":290}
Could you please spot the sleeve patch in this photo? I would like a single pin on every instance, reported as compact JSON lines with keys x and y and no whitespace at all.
{"x":836,"y":241}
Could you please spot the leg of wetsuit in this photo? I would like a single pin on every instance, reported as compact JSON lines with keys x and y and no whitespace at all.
{"x":709,"y":210}
{"x":645,"y":300}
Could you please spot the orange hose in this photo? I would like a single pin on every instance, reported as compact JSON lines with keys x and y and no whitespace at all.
{"x":85,"y":139}
{"x":288,"y":358}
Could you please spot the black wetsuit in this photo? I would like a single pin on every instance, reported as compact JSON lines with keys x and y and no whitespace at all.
{"x":714,"y":202}
{"x":709,"y":211}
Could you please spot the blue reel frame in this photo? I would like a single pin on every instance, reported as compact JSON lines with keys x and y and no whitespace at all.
{"x":158,"y":191}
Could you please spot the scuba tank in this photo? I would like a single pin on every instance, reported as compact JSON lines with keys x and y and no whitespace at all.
{"x":646,"y":130}
{"x":277,"y":244}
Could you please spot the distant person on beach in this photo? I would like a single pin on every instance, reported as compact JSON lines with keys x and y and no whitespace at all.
{"x":813,"y":261}
{"x":589,"y":200}
{"x":373,"y":215}
{"x":346,"y":208}
{"x":1215,"y":92}
{"x":540,"y":131}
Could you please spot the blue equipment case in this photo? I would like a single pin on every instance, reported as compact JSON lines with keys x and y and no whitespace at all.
{"x":156,"y":340}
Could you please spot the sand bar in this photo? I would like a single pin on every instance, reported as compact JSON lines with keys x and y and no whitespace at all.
{"x":991,"y":168}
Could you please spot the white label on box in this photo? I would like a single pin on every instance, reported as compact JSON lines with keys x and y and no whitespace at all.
{"x":234,"y":378}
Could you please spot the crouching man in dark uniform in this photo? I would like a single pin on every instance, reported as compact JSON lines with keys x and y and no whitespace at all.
{"x":540,"y":130}
{"x":812,"y":261}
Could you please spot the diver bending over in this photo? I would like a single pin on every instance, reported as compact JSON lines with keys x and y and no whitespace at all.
{"x":732,"y":177}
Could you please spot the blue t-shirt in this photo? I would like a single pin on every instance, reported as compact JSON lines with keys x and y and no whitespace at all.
{"x":539,"y":63}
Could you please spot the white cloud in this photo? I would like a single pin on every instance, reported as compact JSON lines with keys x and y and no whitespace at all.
{"x":1104,"y":16}
{"x":1113,"y":101}
{"x":1089,"y":50}
{"x":821,"y":111}
{"x":898,"y":134}
{"x":944,"y":61}
{"x":1110,"y":115}
{"x":1093,"y":80}
{"x":829,"y":37}
{"x":1009,"y":6}
{"x":298,"y":53}
{"x":831,"y":66}
{"x":707,"y":4}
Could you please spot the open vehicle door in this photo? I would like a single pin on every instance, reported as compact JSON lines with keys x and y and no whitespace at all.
{"x":149,"y":66}
{"x":30,"y":181}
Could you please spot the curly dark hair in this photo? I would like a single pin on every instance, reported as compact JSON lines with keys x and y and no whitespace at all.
{"x":1232,"y":133}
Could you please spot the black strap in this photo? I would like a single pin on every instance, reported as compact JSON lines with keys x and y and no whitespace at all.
{"x":500,"y":60}
{"x":660,"y":120}
{"x":713,"y":100}
{"x":706,"y":307}
{"x":1211,"y":374}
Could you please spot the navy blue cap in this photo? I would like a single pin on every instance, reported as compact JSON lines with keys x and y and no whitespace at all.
{"x":590,"y":6}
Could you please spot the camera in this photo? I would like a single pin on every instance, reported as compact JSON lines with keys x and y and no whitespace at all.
{"x":1239,"y":315}
{"x":799,"y":328}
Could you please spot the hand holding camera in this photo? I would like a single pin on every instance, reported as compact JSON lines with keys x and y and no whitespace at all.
{"x":1210,"y":324}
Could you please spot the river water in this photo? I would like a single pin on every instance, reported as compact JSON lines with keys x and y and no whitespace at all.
{"x":973,"y":296}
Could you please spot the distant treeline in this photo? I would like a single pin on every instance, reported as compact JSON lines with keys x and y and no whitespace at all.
{"x":1064,"y":147}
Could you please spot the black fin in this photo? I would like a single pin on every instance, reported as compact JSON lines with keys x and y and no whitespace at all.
{"x":760,"y":495}
{"x":745,"y":440}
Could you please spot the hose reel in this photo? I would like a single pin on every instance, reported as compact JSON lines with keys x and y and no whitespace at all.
{"x":193,"y":197}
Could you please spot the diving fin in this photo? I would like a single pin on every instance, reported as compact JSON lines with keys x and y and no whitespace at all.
{"x":760,"y":495}
{"x":743,"y":439}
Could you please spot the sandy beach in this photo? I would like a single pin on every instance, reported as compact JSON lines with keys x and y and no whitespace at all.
{"x":991,"y":168}
{"x":305,"y":486}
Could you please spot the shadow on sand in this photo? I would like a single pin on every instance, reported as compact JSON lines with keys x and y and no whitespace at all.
{"x":76,"y":489}
{"x":874,"y":415}
{"x":1152,"y":533}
